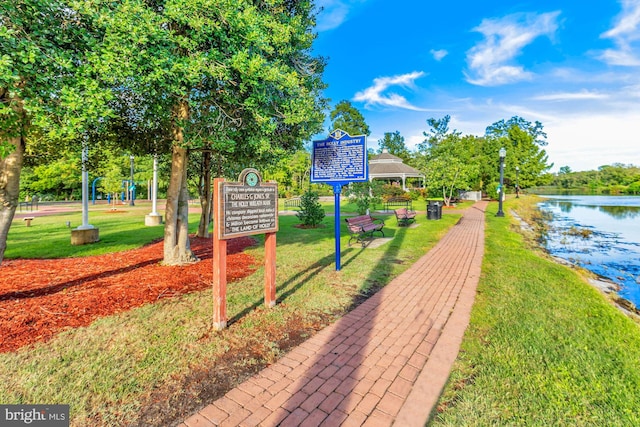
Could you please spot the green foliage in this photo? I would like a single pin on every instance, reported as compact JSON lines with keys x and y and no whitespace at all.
{"x":55,"y":180}
{"x":523,"y":142}
{"x":492,"y":190}
{"x":311,"y":212}
{"x":292,"y":173}
{"x":389,"y":190}
{"x":450,"y":161}
{"x":634,"y":187}
{"x":222,"y":72}
{"x":347,"y":118}
{"x":46,"y":79}
{"x":364,"y":194}
{"x":615,"y":178}
{"x":111,"y":183}
{"x":394,"y":143}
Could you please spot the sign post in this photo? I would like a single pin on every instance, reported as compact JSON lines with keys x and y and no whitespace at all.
{"x":339,"y":160}
{"x":243,"y":208}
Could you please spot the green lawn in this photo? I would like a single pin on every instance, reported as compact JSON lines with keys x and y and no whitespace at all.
{"x":122,"y":368}
{"x":50,"y":237}
{"x":543,"y":348}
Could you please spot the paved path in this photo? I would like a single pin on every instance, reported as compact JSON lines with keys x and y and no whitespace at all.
{"x":384,"y":363}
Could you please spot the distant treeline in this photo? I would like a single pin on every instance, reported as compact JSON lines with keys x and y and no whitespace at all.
{"x":610,"y":179}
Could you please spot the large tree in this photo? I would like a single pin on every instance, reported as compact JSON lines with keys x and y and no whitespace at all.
{"x":47,"y":92}
{"x":523,"y":142}
{"x":233,"y":77}
{"x":394,"y":143}
{"x":448,"y":159}
{"x":348,"y":118}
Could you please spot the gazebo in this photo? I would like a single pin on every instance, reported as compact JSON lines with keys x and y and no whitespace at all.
{"x":389,"y":167}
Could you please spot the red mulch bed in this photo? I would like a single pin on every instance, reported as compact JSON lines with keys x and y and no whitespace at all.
{"x":39,"y":298}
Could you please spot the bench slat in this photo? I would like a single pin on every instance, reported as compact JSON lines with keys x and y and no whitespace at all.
{"x":363,"y":226}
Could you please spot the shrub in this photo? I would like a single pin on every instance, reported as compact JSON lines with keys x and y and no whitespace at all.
{"x":390,"y":190}
{"x":311,"y":212}
{"x":364,"y":195}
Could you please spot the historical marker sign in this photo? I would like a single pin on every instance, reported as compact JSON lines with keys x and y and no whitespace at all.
{"x":243,"y":208}
{"x":341,"y":158}
{"x":248,"y":207}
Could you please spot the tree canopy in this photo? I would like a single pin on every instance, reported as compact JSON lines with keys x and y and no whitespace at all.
{"x":237,"y":78}
{"x":48,"y":93}
{"x":346,"y":117}
{"x":452,"y":161}
{"x":523,"y":142}
{"x":448,"y":159}
{"x":394,"y":143}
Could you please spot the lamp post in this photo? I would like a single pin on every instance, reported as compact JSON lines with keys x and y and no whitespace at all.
{"x":502,"y":153}
{"x":517,"y":185}
{"x":132,"y":186}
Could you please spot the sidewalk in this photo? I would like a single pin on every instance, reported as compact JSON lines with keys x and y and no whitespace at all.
{"x":384,"y":363}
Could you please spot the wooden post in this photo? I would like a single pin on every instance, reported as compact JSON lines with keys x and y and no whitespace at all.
{"x":235,"y":209}
{"x":219,"y":267}
{"x":270,"y":269}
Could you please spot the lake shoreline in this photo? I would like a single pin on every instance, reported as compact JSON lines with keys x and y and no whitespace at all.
{"x":606,"y":286}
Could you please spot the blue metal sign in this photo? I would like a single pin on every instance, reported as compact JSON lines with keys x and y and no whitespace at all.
{"x":341,"y":158}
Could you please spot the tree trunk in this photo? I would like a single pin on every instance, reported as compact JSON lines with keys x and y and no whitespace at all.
{"x":177,"y":248}
{"x":205,"y":195}
{"x":10,"y":168}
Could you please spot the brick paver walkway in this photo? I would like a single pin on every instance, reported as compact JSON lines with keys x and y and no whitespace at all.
{"x":383,"y":363}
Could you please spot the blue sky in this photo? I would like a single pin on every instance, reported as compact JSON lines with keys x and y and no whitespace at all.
{"x":573,"y":66}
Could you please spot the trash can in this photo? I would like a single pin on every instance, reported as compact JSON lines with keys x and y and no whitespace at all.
{"x":434,"y":209}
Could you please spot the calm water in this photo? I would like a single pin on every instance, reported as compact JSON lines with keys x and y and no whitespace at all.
{"x":601,"y":234}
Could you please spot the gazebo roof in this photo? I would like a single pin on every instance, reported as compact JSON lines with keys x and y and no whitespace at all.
{"x":387,"y":165}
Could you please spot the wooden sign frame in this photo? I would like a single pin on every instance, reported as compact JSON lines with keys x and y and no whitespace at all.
{"x":253,"y":218}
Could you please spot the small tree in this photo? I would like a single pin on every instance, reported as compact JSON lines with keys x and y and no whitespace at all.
{"x":364,"y":194}
{"x":111,"y":183}
{"x":311,"y":212}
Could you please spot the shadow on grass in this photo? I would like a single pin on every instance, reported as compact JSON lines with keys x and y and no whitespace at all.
{"x":291,"y":285}
{"x":295,"y":282}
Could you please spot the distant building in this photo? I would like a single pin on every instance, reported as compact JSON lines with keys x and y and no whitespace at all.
{"x":388,"y":167}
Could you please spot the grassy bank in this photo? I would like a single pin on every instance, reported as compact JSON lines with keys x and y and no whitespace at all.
{"x":162,"y":361}
{"x":543,"y":348}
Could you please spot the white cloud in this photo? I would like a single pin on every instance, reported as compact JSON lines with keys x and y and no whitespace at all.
{"x":588,"y":142}
{"x":625,"y":31}
{"x":375,"y":95}
{"x":438,"y":54}
{"x":581,"y":139}
{"x":333,"y":13}
{"x":571,"y":96}
{"x":489,"y":61}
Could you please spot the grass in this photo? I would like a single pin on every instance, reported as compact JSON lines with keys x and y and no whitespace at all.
{"x":543,"y":347}
{"x":50,"y":237}
{"x":123,"y":369}
{"x":122,"y":229}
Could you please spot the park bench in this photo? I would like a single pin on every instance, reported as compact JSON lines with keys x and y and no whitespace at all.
{"x":405,"y":216}
{"x":395,"y":202}
{"x":362,"y":228}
